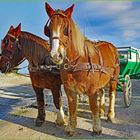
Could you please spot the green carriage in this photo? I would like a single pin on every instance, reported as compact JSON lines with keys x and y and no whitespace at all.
{"x":130,"y":69}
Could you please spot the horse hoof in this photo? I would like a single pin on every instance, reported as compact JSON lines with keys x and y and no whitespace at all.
{"x":101,"y":115}
{"x":39,"y":122}
{"x":69,"y":133}
{"x":96,"y":133}
{"x":60,"y":123}
{"x":111,"y":120}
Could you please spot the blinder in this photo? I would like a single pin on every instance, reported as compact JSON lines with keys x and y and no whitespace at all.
{"x":5,"y":41}
{"x":66,"y":32}
{"x":47,"y":31}
{"x":12,"y":43}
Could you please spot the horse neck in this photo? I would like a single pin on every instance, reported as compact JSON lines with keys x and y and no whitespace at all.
{"x":35,"y":52}
{"x":80,"y":47}
{"x":77,"y":42}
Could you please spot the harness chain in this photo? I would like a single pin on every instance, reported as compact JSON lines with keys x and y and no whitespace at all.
{"x":45,"y":68}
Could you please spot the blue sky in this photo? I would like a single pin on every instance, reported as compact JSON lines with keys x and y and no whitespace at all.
{"x":115,"y":21}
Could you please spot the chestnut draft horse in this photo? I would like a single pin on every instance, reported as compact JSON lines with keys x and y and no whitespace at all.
{"x":18,"y":45}
{"x":86,"y":66}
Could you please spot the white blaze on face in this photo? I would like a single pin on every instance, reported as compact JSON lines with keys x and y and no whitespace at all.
{"x":55,"y":42}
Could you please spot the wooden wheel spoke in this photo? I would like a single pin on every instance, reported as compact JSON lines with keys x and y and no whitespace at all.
{"x":128,"y":89}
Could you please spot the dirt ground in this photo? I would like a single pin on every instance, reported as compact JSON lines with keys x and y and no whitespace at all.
{"x":17,"y":114}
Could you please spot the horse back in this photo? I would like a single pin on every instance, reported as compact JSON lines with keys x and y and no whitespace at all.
{"x":109,"y":53}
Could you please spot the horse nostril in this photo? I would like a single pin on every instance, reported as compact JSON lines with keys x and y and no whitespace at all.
{"x":60,"y":55}
{"x":57,"y":57}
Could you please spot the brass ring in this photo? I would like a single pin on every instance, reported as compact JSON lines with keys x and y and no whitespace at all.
{"x":66,"y":66}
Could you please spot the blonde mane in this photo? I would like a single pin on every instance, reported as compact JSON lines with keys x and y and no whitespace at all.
{"x":78,"y":39}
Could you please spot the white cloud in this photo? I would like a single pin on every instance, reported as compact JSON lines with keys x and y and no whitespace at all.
{"x":123,"y":16}
{"x":129,"y":33}
{"x":107,"y":8}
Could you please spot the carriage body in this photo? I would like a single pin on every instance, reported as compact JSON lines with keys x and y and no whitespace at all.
{"x":129,"y":61}
{"x":130,"y":69}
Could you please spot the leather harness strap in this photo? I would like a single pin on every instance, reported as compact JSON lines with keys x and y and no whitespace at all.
{"x":55,"y":69}
{"x":90,"y":66}
{"x":87,"y":67}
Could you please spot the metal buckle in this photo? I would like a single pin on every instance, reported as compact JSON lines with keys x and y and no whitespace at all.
{"x":8,"y":65}
{"x":66,"y":66}
{"x":58,"y":66}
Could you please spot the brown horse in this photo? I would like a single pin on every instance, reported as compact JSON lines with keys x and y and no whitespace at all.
{"x":86,"y":66}
{"x":18,"y":45}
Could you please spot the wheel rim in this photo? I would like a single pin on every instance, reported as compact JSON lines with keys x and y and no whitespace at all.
{"x":128,"y":90}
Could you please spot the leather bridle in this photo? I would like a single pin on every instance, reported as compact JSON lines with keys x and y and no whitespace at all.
{"x":9,"y":57}
{"x":56,"y":37}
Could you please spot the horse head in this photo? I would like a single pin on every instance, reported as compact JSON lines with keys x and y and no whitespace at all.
{"x":58,"y":30}
{"x":11,"y":54}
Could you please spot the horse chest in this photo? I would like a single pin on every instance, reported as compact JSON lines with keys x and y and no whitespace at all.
{"x":81,"y":82}
{"x":75,"y":82}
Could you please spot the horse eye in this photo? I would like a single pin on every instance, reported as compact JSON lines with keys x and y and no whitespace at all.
{"x":65,"y":31}
{"x":12,"y":39}
{"x":5,"y":41}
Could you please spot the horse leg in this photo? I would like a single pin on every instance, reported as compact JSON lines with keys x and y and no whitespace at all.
{"x":41,"y":106}
{"x":102,"y":102}
{"x":72,"y":104}
{"x":58,"y":104}
{"x":112,"y":94}
{"x":95,"y":111}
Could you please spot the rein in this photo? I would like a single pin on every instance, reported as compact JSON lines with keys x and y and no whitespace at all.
{"x":20,"y":68}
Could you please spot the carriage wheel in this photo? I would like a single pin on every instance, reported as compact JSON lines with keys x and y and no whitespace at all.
{"x":127,"y":91}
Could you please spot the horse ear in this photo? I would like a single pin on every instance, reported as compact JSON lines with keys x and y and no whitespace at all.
{"x":68,"y":11}
{"x":18,"y":30}
{"x":49,"y":10}
{"x":11,"y":28}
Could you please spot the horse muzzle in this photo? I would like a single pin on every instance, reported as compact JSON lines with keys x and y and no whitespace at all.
{"x":57,"y":58}
{"x":6,"y":68}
